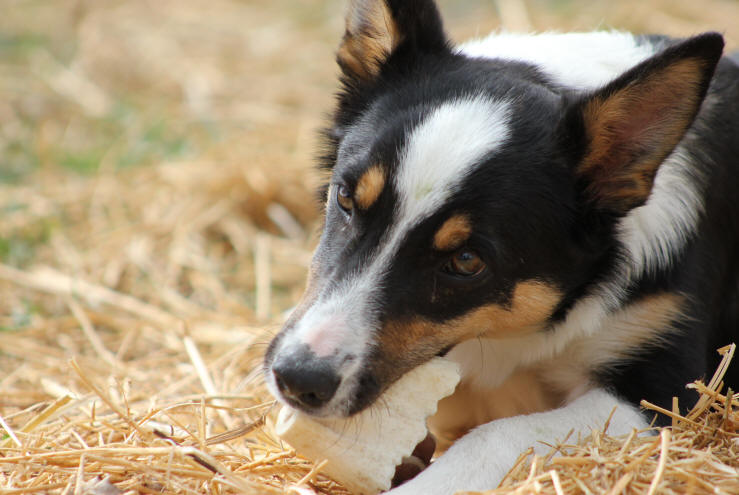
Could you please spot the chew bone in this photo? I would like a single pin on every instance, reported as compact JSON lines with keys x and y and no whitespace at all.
{"x":363,"y":450}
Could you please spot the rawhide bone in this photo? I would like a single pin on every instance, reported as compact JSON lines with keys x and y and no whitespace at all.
{"x":364,"y":450}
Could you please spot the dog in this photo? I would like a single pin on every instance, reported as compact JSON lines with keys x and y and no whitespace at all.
{"x":555,"y":212}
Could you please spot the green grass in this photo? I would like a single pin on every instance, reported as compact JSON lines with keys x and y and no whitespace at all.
{"x":17,"y":160}
{"x":127,"y":138}
{"x":18,"y":248}
{"x":18,"y":47}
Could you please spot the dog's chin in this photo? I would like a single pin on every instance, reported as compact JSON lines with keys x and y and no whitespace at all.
{"x":329,"y":411}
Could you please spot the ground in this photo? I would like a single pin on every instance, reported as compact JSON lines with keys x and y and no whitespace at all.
{"x":158,"y":214}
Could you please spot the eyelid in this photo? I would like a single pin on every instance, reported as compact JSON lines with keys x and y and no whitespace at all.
{"x":348,"y":205}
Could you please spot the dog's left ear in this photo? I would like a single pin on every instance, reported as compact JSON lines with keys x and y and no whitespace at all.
{"x":633,"y":124}
{"x":376,"y":29}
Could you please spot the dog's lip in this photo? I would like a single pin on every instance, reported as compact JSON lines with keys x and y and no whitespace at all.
{"x":444,"y":351}
{"x":293,"y":404}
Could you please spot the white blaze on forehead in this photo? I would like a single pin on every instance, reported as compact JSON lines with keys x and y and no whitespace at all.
{"x":443,"y":149}
{"x":438,"y":155}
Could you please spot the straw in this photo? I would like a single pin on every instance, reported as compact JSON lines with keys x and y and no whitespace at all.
{"x":157,"y":196}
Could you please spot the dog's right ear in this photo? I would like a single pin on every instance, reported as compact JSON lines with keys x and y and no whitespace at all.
{"x":376,"y":29}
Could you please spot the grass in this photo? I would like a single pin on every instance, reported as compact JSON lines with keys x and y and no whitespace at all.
{"x":158,"y":215}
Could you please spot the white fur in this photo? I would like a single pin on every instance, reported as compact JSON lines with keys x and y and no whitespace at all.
{"x":574,"y":60}
{"x":489,"y":362}
{"x":325,"y":335}
{"x":439,"y":154}
{"x":654,"y":233}
{"x":443,"y":149}
{"x":480,"y":459}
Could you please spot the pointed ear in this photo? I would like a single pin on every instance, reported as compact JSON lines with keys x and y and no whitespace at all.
{"x":635,"y":122}
{"x":376,"y":28}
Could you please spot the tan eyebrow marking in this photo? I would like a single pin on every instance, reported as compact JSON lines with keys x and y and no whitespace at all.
{"x":452,"y":233}
{"x":369,"y":187}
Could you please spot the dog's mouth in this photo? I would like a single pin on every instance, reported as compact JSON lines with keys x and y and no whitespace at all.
{"x":367,"y":391}
{"x":442,"y":353}
{"x":355,"y":391}
{"x":373,"y":381}
{"x":340,"y":383}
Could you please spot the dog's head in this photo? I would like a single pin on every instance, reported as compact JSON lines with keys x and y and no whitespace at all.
{"x":468,"y":198}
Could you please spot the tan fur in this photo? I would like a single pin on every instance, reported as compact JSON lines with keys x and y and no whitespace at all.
{"x":651,"y":114}
{"x":371,"y":36}
{"x":525,"y":392}
{"x":453,"y":233}
{"x":532,"y":304}
{"x":369,"y":187}
{"x":552,"y":382}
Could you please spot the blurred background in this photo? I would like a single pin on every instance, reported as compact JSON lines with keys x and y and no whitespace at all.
{"x":156,"y":181}
{"x":144,"y":143}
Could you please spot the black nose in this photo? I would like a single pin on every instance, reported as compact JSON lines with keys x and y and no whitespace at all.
{"x":305,"y":378}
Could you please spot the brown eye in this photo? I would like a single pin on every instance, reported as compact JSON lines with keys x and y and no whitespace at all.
{"x":344,"y":198}
{"x":466,"y":262}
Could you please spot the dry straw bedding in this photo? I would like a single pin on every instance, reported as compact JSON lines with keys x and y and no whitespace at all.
{"x":138,"y":304}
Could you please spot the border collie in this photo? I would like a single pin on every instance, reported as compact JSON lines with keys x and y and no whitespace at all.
{"x":558,"y":213}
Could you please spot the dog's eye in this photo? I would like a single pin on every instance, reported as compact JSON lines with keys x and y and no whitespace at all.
{"x":465,"y":262}
{"x":344,"y":198}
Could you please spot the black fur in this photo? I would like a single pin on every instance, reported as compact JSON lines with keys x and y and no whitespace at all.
{"x":707,"y":271}
{"x":532,"y":218}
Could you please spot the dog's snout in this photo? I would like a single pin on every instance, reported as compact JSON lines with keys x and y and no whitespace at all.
{"x":306,"y":379}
